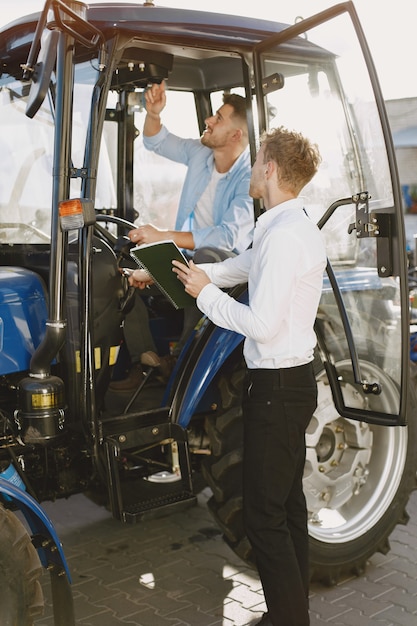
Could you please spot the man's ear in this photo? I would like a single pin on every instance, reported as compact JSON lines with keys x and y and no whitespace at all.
{"x":237,"y":135}
{"x":269,"y":168}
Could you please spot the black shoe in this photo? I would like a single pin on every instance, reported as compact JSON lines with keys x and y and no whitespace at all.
{"x":265,"y":620}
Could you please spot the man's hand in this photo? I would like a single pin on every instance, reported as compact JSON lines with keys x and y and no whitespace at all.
{"x":151,"y":234}
{"x":191,"y":277}
{"x":155,"y":98}
{"x":147,"y":234}
{"x":140,"y":279}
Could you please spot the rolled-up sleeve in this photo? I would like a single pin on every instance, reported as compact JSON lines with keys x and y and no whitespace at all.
{"x":172,"y":147}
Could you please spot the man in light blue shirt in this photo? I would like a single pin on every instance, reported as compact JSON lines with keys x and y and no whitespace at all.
{"x":215,"y":217}
{"x":215,"y":209}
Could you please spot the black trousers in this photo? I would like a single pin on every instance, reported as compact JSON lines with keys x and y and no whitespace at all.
{"x":276,"y":411}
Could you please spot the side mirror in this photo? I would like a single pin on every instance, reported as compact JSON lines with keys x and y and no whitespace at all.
{"x":41,"y":75}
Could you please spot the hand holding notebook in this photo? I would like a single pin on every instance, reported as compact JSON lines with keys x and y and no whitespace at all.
{"x":156,"y":258}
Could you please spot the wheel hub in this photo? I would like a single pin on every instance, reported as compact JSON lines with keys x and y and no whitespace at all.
{"x":338,"y":452}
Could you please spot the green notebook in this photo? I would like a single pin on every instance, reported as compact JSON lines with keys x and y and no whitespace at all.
{"x":156,"y":259}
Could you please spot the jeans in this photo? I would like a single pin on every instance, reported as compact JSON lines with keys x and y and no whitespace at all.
{"x":276,"y":411}
{"x":137,"y":331}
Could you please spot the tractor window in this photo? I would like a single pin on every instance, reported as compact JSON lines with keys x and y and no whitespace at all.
{"x":216,"y":97}
{"x":308,"y":97}
{"x":329,"y":98}
{"x":157,"y":180}
{"x":27,"y":149}
{"x":25,"y":182}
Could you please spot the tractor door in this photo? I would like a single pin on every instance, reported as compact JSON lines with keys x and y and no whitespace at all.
{"x":318,"y":77}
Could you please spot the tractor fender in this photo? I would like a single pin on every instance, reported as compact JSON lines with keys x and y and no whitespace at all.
{"x":46,"y":540}
{"x":219,"y":347}
{"x":212,"y":346}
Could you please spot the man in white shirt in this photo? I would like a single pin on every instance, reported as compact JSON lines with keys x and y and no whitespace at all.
{"x":284,"y":270}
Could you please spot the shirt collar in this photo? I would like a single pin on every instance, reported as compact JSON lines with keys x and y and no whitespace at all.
{"x":289,"y":205}
{"x":244,"y":155}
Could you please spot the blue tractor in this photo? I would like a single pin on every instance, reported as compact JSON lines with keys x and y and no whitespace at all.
{"x":75,"y":178}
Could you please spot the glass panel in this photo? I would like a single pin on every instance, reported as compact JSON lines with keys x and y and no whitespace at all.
{"x":328,"y":96}
{"x":158,"y":181}
{"x":216,"y":97}
{"x":27,"y":147}
{"x":25,"y":174}
{"x":85,"y":77}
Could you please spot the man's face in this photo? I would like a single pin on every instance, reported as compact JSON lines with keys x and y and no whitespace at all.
{"x":257,"y":179}
{"x":219,"y":128}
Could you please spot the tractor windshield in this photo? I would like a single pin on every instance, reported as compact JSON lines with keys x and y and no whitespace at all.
{"x":27,"y":149}
{"x":25,"y":175}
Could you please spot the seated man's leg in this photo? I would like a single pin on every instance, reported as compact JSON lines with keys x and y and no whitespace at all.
{"x":138,"y":338}
{"x":137,"y":331}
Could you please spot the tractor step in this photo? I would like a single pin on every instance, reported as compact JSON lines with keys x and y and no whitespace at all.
{"x":136,"y":488}
{"x":156,"y":507}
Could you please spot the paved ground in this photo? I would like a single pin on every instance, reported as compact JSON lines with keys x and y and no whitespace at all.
{"x":177,"y":571}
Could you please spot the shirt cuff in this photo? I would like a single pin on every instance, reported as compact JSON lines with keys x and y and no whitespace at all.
{"x":207,"y":297}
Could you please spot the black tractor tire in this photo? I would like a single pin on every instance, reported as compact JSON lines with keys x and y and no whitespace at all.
{"x":21,"y":597}
{"x":358,"y":478}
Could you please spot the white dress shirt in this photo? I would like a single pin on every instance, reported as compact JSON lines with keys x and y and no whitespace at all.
{"x":284,"y":271}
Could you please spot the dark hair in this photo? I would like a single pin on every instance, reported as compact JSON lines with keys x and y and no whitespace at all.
{"x":239,"y":106}
{"x":296,"y":157}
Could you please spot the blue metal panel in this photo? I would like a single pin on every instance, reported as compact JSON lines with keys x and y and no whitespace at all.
{"x":219,"y":347}
{"x":23,"y":313}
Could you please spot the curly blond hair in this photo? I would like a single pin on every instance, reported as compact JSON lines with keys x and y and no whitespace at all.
{"x":296,"y":157}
